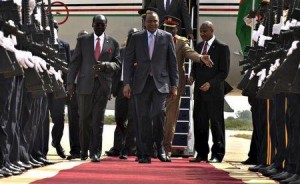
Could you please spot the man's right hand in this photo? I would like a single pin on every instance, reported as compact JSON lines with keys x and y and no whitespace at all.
{"x":127,"y":91}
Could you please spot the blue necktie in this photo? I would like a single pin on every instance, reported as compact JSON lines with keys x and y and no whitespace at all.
{"x":151,"y":41}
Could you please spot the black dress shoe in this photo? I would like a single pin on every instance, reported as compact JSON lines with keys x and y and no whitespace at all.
{"x":295,"y":177}
{"x":21,"y":164}
{"x":33,"y":160}
{"x":162,"y":157}
{"x":198,"y":159}
{"x":282,"y":176}
{"x":123,"y":156}
{"x":34,"y":165}
{"x":264,"y":169}
{"x":12,"y":168}
{"x":18,"y":167}
{"x":250,"y":161}
{"x":83,"y":155}
{"x":11,"y":171}
{"x":256,"y":168}
{"x":145,"y":160}
{"x":44,"y":161}
{"x":295,"y":182}
{"x":95,"y":158}
{"x":271,"y":172}
{"x":73,"y":156}
{"x":214,"y":160}
{"x":5,"y":173}
{"x":59,"y":150}
{"x":112,"y":152}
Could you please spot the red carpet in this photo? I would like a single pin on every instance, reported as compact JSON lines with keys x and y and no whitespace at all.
{"x":116,"y":171}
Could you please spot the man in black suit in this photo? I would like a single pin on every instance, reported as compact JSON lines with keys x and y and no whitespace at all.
{"x":57,"y":105}
{"x":95,"y":59}
{"x":209,"y":95}
{"x":175,"y":8}
{"x":150,"y":63}
{"x":123,"y":112}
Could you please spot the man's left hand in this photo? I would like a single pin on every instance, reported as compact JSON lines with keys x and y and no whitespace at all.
{"x":173,"y":92}
{"x":205,"y":87}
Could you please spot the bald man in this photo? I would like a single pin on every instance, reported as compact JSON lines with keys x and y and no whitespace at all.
{"x":209,"y":95}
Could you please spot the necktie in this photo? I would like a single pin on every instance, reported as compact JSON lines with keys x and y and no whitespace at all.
{"x":167,"y":5}
{"x":151,"y":41}
{"x":97,"y":49}
{"x":204,"y":50}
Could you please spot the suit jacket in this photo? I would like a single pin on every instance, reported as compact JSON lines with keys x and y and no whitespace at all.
{"x":220,"y":55}
{"x":183,"y":51}
{"x":177,"y":8}
{"x":83,"y":60}
{"x":163,"y":65}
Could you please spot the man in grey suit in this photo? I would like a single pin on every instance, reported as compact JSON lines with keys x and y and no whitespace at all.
{"x":95,"y":59}
{"x":150,"y":62}
{"x":175,"y":8}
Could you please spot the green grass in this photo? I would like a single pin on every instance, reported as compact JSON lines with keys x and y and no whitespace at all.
{"x":237,"y":124}
{"x":244,"y":136}
{"x":109,"y":120}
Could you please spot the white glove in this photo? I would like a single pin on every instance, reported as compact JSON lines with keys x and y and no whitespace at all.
{"x":293,"y":22}
{"x":261,"y":77}
{"x":262,"y":39}
{"x":1,"y":38}
{"x":23,"y":58}
{"x":58,"y":76}
{"x":37,"y":64}
{"x":42,"y":63}
{"x":277,"y":64}
{"x":8,"y":44}
{"x":32,"y":5}
{"x":277,"y":27}
{"x":257,"y":33}
{"x":251,"y":75}
{"x":293,"y":47}
{"x":51,"y":71}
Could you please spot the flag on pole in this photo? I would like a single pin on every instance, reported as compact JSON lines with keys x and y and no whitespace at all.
{"x":243,"y":31}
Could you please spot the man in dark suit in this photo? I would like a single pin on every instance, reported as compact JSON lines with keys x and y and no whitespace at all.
{"x":95,"y":59}
{"x":176,"y":8}
{"x":155,"y":76}
{"x":183,"y":51}
{"x":124,"y":136}
{"x":209,"y":95}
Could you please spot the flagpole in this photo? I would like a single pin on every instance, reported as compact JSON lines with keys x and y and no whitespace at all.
{"x":253,"y":23}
